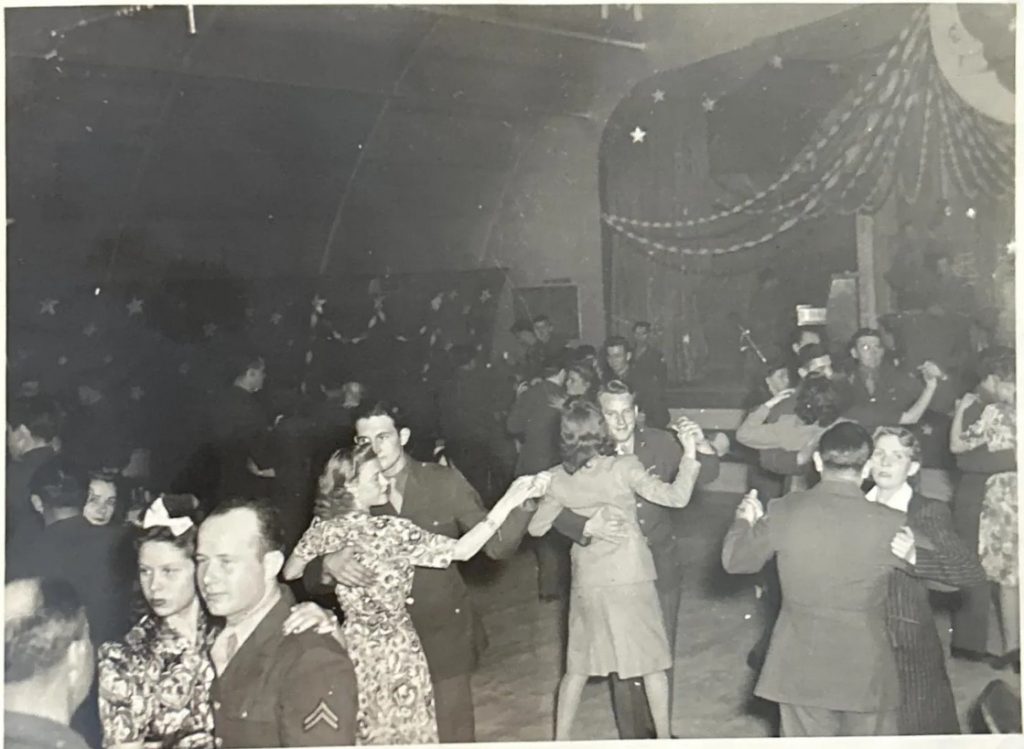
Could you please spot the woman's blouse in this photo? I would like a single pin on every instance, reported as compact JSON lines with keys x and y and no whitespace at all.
{"x":155,"y":687}
{"x":996,"y":429}
{"x":612,"y":481}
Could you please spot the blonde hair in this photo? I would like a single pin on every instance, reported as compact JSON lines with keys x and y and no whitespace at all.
{"x":340,"y":471}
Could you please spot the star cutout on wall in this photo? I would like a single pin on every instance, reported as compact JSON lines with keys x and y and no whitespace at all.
{"x":183,"y":368}
{"x":209,"y":329}
{"x":62,"y":360}
{"x":48,"y":306}
{"x":90,"y":330}
{"x":137,"y":393}
{"x":1011,"y":247}
{"x":276,"y":318}
{"x":318,"y":304}
{"x":658,"y":96}
{"x":971,"y":213}
{"x":485,"y":295}
{"x":776,"y":61}
{"x":707,"y":103}
{"x":638,"y":135}
{"x":108,"y":359}
{"x":135,"y":307}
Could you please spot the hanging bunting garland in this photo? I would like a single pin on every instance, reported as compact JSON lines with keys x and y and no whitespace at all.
{"x":904,"y":100}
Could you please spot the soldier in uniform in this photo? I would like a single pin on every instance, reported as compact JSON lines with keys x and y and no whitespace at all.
{"x":440,"y":500}
{"x":271,"y":689}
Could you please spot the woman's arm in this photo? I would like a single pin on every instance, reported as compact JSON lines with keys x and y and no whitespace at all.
{"x":677,"y":494}
{"x":521,"y":490}
{"x":963,"y":439}
{"x":294,"y":567}
{"x":931,"y":374}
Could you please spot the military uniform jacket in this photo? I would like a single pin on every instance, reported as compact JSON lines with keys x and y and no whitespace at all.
{"x":277,"y":690}
{"x":535,"y":418}
{"x":440,"y":500}
{"x":829,"y":648}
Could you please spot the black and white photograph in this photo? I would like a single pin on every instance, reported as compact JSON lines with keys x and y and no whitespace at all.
{"x":412,"y":374}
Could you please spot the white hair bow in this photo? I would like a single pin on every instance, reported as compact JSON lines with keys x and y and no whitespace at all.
{"x":157,"y":516}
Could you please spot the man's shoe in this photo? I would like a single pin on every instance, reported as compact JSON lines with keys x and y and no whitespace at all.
{"x":962,"y":654}
{"x":1011,"y":659}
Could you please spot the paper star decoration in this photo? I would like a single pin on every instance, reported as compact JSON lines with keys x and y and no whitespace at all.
{"x":776,"y":61}
{"x":485,"y":295}
{"x":137,"y":393}
{"x":108,"y":359}
{"x":48,"y":306}
{"x":658,"y":96}
{"x":276,"y":318}
{"x":62,"y":360}
{"x":707,"y":103}
{"x":971,"y":213}
{"x":318,"y":304}
{"x":209,"y":329}
{"x":638,"y":135}
{"x":183,"y":368}
{"x":135,"y":307}
{"x":1011,"y":247}
{"x":90,"y":330}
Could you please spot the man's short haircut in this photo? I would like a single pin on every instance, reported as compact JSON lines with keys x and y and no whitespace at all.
{"x":59,"y":486}
{"x":369,"y":409}
{"x":865,"y":333}
{"x":522,"y":326}
{"x":39,"y":414}
{"x":906,"y":438}
{"x":556,"y":362}
{"x":585,"y":372}
{"x":810,"y":352}
{"x":615,"y":341}
{"x":845,"y":447}
{"x":268,"y":520}
{"x":616,"y":388}
{"x":541,"y":318}
{"x":642,"y":325}
{"x":37,"y":639}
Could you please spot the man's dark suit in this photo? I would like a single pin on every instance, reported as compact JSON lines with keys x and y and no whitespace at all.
{"x":830,"y":665}
{"x":242,"y":431}
{"x":440,"y":500}
{"x":535,"y":418}
{"x":659,"y":452}
{"x":278,"y":690}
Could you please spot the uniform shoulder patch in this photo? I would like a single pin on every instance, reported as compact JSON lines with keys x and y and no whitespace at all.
{"x":322,"y":713}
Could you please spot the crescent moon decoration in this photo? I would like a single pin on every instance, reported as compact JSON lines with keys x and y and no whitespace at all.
{"x":904,"y":115}
{"x":962,"y":58}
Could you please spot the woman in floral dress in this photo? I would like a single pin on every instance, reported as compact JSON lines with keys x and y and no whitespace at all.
{"x":154,"y":687}
{"x":996,"y":429}
{"x":396,"y":700}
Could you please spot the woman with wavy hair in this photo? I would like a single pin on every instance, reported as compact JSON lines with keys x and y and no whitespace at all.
{"x":615,"y":620}
{"x":154,"y":686}
{"x":396,"y":699}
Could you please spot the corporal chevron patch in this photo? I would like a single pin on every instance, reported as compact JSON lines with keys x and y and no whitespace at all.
{"x":321,"y":714}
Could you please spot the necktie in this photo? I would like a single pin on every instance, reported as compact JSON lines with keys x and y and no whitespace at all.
{"x":227,"y":646}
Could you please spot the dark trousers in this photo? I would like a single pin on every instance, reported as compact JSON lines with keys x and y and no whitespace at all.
{"x":970,"y":618}
{"x":771,"y":604}
{"x":553,"y":566}
{"x":453,"y":700}
{"x":632,"y":713}
{"x":797,"y":720}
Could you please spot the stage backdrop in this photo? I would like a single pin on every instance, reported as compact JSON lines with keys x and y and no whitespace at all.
{"x":761,"y":159}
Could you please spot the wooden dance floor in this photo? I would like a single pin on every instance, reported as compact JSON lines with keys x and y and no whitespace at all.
{"x":719,"y":621}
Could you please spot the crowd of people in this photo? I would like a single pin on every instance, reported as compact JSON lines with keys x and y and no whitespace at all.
{"x":296,"y":582}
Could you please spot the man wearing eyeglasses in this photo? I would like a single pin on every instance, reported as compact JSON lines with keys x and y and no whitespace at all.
{"x":438,"y":499}
{"x":881,"y":393}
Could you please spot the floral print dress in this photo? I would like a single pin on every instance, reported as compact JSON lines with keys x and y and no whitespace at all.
{"x":996,"y":428}
{"x":155,"y":687}
{"x":396,"y":699}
